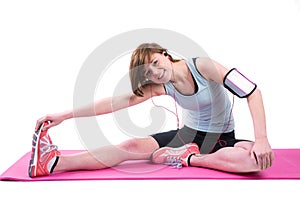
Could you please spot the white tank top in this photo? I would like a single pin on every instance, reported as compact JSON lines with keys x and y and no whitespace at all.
{"x":208,"y":109}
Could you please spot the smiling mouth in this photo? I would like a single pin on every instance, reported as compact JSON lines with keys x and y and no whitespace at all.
{"x":161,"y":75}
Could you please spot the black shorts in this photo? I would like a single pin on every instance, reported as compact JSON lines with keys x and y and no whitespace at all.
{"x":207,"y":142}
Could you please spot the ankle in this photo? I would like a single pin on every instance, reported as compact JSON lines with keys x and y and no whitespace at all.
{"x":54,"y":164}
{"x":189,"y":159}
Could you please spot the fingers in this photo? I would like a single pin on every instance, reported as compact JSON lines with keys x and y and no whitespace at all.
{"x":264,"y":161}
{"x":48,"y":126}
{"x":38,"y":124}
{"x":253,"y":156}
{"x":271,"y":158}
{"x":41,"y":121}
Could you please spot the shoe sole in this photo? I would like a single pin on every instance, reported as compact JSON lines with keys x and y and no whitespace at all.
{"x":34,"y":157}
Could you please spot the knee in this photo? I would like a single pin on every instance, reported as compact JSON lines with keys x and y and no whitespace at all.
{"x":245,"y":145}
{"x":139,"y":145}
{"x":131,"y":145}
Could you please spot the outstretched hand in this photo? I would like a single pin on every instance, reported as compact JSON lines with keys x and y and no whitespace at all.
{"x":262,"y":153}
{"x":54,"y":120}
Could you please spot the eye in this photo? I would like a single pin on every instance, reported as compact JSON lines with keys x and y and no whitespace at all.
{"x":155,"y":62}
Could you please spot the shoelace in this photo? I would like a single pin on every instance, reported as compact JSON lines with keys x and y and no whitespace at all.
{"x":175,"y":162}
{"x":47,"y":147}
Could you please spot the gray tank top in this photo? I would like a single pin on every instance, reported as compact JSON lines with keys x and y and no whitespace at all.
{"x":208,"y":109}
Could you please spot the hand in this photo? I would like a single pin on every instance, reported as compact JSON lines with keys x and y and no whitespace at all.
{"x":54,"y":120}
{"x":262,"y":153}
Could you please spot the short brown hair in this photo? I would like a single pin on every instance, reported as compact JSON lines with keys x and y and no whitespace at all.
{"x":139,"y":58}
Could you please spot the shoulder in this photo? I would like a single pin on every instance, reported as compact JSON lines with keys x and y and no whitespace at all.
{"x":149,"y":91}
{"x":210,"y":69}
{"x":152,"y":90}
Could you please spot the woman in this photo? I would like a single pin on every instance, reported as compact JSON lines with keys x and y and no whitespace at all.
{"x":197,"y":86}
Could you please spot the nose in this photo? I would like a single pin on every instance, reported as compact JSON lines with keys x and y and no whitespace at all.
{"x":153,"y":72}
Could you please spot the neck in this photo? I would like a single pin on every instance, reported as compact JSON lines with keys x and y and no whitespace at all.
{"x":178,"y":72}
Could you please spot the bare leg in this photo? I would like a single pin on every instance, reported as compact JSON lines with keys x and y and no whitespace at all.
{"x":230,"y":159}
{"x":108,"y":156}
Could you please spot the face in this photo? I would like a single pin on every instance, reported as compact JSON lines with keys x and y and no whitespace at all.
{"x":159,"y":69}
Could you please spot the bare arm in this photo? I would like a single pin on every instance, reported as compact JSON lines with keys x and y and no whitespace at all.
{"x":109,"y":105}
{"x":256,"y":107}
{"x":261,"y":150}
{"x":214,"y":71}
{"x":102,"y":106}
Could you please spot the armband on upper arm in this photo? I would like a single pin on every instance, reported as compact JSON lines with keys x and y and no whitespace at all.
{"x":238,"y":84}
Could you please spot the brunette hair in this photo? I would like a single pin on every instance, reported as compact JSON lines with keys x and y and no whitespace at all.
{"x":139,"y":58}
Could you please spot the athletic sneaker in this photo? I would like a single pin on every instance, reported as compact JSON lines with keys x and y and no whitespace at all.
{"x":176,"y":157}
{"x":44,"y":154}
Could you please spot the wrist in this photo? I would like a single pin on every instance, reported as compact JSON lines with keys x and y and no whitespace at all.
{"x":260,"y":134}
{"x":67,"y":115}
{"x":261,"y":138}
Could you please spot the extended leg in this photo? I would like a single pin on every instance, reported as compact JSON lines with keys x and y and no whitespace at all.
{"x":230,"y":159}
{"x":108,"y":156}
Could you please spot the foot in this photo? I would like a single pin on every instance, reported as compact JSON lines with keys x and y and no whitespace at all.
{"x":44,"y":154}
{"x":176,"y":157}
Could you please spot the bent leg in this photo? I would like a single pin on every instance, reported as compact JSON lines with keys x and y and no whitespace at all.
{"x":231,"y":159}
{"x":108,"y":156}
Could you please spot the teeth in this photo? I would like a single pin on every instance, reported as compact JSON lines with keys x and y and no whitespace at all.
{"x":161,"y":75}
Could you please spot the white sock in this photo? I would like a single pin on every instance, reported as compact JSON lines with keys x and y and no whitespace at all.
{"x":52,"y":163}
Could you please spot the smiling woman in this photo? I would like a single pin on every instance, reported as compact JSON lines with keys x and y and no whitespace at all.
{"x":207,"y":138}
{"x":140,"y":72}
{"x":40,"y":64}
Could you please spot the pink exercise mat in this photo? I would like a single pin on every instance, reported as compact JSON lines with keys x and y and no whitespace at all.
{"x":285,"y":166}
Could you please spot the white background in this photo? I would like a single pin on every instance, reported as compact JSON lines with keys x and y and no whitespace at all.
{"x":44,"y":44}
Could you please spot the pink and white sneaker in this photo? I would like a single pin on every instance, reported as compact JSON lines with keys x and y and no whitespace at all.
{"x":176,"y":157}
{"x":44,"y":154}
